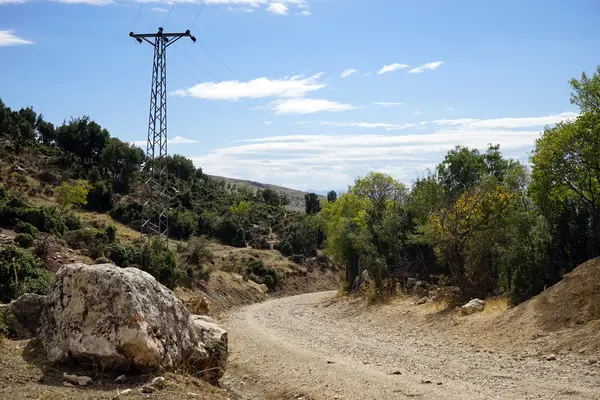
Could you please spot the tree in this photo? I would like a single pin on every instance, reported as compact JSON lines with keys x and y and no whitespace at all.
{"x":586,"y":92}
{"x":379,"y":189}
{"x":331,"y":196}
{"x":70,"y":194}
{"x":83,"y":139}
{"x":311,"y":203}
{"x":121,"y":161}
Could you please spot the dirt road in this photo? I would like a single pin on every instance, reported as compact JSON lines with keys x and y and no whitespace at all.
{"x":302,"y":348}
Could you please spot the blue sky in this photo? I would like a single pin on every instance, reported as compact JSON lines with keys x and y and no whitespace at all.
{"x":420,"y":77}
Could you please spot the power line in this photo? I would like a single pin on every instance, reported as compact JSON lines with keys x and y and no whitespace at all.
{"x":169,"y":14}
{"x":137,"y":16}
{"x":217,"y":80}
{"x":197,"y":15}
{"x":243,"y":80}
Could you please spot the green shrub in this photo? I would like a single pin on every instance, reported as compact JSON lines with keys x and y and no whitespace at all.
{"x":302,"y":237}
{"x":182,"y":224}
{"x":228,"y":232}
{"x":259,"y":273}
{"x":24,"y":240}
{"x":122,"y":255}
{"x":111,"y":233}
{"x":21,"y":272}
{"x":26,"y":227}
{"x":86,"y":238}
{"x":100,"y":198}
{"x":159,"y":261}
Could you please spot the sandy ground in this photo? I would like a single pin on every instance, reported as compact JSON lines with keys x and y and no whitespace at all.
{"x":312,"y":347}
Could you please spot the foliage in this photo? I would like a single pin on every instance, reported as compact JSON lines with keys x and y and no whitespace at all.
{"x":20,"y":273}
{"x":24,"y":240}
{"x":312,"y":204}
{"x":301,"y":237}
{"x":331,"y":196}
{"x":259,"y":273}
{"x":159,"y":261}
{"x":99,"y":198}
{"x":72,"y":194}
{"x":26,"y":227}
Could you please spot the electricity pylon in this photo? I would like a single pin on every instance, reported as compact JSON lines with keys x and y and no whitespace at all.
{"x":157,"y":199}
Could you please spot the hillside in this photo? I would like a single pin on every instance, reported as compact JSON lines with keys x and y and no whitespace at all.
{"x":296,"y":197}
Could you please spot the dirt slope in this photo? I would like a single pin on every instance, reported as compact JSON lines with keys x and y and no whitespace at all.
{"x":311,"y":347}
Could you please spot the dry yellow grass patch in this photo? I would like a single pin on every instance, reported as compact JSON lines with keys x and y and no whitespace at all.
{"x":496,"y":304}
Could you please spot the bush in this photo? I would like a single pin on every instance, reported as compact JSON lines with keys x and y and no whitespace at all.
{"x":122,"y":255}
{"x":182,"y":224}
{"x":228,"y":232}
{"x":159,"y":261}
{"x":259,"y":273}
{"x":111,"y":233}
{"x":100,"y":198}
{"x":86,"y":238}
{"x":24,"y":240}
{"x":26,"y":227}
{"x":21,"y":272}
{"x":197,"y":251}
{"x":300,"y":237}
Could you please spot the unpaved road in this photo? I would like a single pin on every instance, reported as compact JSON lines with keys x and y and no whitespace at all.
{"x":297,"y":347}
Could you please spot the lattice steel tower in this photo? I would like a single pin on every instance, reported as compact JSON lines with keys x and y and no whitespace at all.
{"x":156,"y":188}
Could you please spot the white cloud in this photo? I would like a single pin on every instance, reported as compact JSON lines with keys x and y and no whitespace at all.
{"x":295,"y":86}
{"x":308,"y":106}
{"x":366,"y":125}
{"x":392,"y":67}
{"x":388,"y":104}
{"x":426,"y":67}
{"x":348,"y":72}
{"x":89,"y":2}
{"x":278,"y":8}
{"x":175,"y":140}
{"x":449,"y":109}
{"x":159,"y":9}
{"x":507,"y":123}
{"x":297,"y":159}
{"x":8,"y":38}
{"x":306,"y":13}
{"x":268,"y":122}
{"x":6,"y":2}
{"x":418,"y":112}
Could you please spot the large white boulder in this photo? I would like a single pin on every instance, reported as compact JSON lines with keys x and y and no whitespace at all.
{"x":119,"y":318}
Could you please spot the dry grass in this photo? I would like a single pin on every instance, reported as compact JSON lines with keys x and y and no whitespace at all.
{"x":495,"y":305}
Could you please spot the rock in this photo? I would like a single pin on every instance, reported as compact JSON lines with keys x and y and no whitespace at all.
{"x":125,"y":392}
{"x":422,"y":300}
{"x":425,"y":381}
{"x":78,"y":380}
{"x":147,"y":389}
{"x":550,"y":357}
{"x":69,"y":378}
{"x":592,"y":361}
{"x":473,"y":306}
{"x":23,"y":315}
{"x":119,"y":318}
{"x":215,"y":340}
{"x":120,"y":379}
{"x":158,"y":382}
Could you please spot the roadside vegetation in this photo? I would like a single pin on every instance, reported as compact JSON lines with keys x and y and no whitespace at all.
{"x":480,"y":222}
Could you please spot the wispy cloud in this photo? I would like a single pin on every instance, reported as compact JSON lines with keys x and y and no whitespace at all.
{"x":6,"y":2}
{"x":507,"y":123}
{"x":388,"y":104}
{"x":8,"y":38}
{"x":306,"y":13}
{"x":309,"y":106}
{"x":295,"y":86}
{"x":392,"y":67}
{"x":159,"y":9}
{"x":295,"y":159}
{"x":348,"y":72}
{"x":174,"y":140}
{"x":366,"y":125}
{"x":426,"y":67}
{"x":89,"y":2}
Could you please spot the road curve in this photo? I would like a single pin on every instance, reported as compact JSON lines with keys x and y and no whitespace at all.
{"x":295,"y":348}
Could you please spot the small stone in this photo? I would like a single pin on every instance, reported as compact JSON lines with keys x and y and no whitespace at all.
{"x":84,"y":380}
{"x":592,"y":361}
{"x":396,"y":373}
{"x":147,"y":389}
{"x":67,"y":384}
{"x":330,"y":362}
{"x":550,"y":357}
{"x":158,"y":382}
{"x":120,"y":379}
{"x":126,"y":392}
{"x":439,"y":383}
{"x":425,"y":381}
{"x":69,"y":378}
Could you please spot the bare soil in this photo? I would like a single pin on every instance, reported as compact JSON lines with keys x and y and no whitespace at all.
{"x":317,"y":346}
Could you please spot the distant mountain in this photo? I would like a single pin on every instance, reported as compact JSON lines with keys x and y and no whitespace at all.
{"x":296,"y":196}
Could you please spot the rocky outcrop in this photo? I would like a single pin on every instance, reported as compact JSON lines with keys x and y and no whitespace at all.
{"x":215,"y":342}
{"x":473,"y":306}
{"x":119,"y":318}
{"x":23,"y":315}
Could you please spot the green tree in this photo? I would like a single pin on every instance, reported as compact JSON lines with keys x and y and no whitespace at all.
{"x":311,"y":203}
{"x":84,"y":139}
{"x":72,"y":194}
{"x":586,"y":92}
{"x":331,"y":196}
{"x":121,"y":162}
